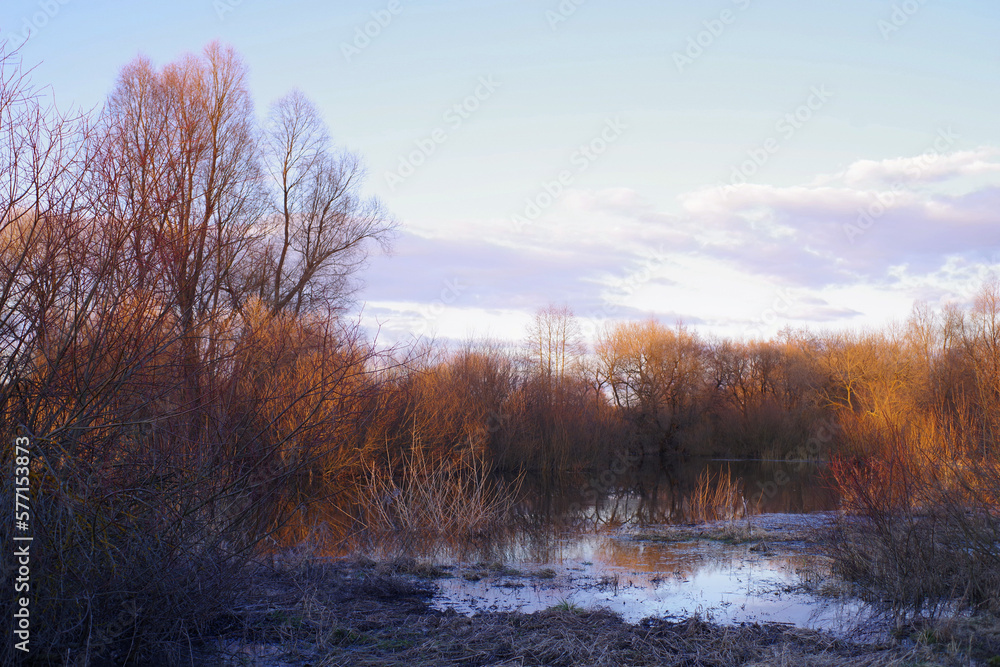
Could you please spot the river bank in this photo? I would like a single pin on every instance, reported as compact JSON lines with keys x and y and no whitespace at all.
{"x":358,"y":612}
{"x":366,"y":614}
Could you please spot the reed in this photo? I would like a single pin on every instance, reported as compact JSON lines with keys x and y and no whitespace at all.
{"x":717,"y":496}
{"x":435,"y":503}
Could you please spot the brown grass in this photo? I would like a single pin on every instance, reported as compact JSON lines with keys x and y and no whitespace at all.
{"x":435,"y":503}
{"x":923,"y":534}
{"x":717,"y":497}
{"x":349,"y":615}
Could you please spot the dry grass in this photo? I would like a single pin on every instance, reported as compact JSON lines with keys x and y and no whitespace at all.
{"x":366,"y":615}
{"x":917,"y":564}
{"x":435,"y":502}
{"x":924,"y":534}
{"x":717,"y":497}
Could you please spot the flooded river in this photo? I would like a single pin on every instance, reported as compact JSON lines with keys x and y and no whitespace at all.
{"x":638,"y":575}
{"x":729,"y":541}
{"x":639,"y":547}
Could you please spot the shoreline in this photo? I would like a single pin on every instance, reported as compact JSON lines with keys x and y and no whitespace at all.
{"x":366,"y":613}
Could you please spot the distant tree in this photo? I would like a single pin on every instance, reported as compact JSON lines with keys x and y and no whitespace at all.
{"x":555,"y":342}
{"x":656,"y":375}
{"x":981,"y":340}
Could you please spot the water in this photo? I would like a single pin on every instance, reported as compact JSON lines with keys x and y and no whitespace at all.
{"x":610,"y":540}
{"x":593,"y":539}
{"x":638,"y":578}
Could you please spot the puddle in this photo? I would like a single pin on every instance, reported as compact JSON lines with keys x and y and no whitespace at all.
{"x":587,"y":529}
{"x":638,"y":578}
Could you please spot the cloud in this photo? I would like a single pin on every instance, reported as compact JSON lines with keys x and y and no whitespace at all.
{"x":834,"y":233}
{"x":927,"y":168}
{"x":840,"y":243}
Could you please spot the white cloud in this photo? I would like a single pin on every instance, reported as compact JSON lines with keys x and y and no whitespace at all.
{"x":927,"y":168}
{"x":844,"y":249}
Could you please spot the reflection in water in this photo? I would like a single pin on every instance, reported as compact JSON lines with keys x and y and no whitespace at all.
{"x":680,"y":580}
{"x":548,"y":515}
{"x":545,"y":512}
{"x":658,"y":497}
{"x":581,"y":525}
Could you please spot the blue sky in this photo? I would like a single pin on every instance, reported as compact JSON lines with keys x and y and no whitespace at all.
{"x":738,"y":165}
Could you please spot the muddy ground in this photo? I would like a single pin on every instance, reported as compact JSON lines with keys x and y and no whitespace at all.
{"x":362,"y":613}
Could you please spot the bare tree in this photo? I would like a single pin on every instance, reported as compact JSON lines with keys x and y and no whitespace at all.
{"x":180,"y":172}
{"x":172,"y":413}
{"x":655,"y":375}
{"x":555,"y":342}
{"x":981,"y":339}
{"x":320,"y":227}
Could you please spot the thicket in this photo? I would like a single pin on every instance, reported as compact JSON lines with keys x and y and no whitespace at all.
{"x":170,"y":277}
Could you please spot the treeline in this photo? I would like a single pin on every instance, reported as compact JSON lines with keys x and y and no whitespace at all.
{"x":174,"y":282}
{"x":655,"y":392}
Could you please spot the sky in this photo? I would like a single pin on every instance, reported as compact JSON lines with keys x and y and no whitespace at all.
{"x":736,"y":165}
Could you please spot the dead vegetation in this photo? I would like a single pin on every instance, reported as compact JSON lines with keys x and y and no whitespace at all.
{"x":338,"y":614}
{"x":435,"y":502}
{"x":718,"y":497}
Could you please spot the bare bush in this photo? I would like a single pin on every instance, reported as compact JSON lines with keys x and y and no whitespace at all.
{"x":435,"y":503}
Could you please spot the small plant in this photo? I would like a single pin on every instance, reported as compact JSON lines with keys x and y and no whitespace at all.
{"x":435,"y":499}
{"x":565,"y":606}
